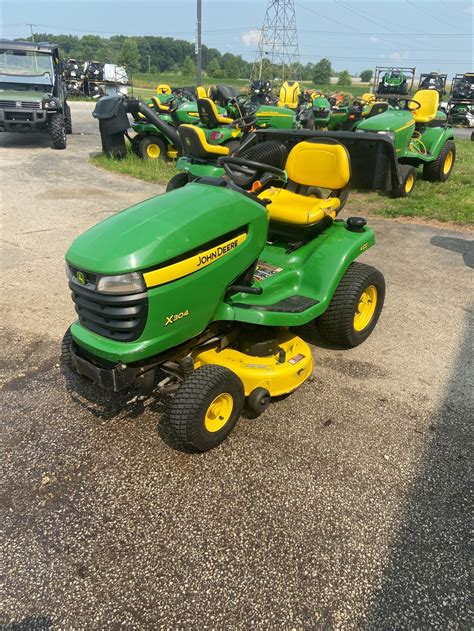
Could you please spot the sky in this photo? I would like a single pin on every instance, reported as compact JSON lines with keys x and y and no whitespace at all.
{"x":354,"y":34}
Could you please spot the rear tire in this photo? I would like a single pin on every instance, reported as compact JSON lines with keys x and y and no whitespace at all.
{"x":152,"y":148}
{"x":441,"y":169}
{"x":67,"y":118}
{"x":57,"y":131}
{"x":177,"y":181}
{"x":408,"y":176}
{"x":355,"y":306}
{"x":206,"y":408}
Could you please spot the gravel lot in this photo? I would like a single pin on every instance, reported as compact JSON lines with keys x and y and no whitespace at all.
{"x":343,"y":506}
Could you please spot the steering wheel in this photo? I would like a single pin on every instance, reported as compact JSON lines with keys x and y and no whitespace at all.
{"x":407,"y":101}
{"x":243,"y":172}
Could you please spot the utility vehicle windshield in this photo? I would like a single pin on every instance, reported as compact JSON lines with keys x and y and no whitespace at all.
{"x":25,"y":63}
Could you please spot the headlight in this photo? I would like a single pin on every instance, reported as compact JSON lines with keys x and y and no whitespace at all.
{"x":50,"y":104}
{"x":122,"y":284}
{"x":390,"y":134}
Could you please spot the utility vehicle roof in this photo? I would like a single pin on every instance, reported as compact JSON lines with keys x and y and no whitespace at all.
{"x":41,"y":47}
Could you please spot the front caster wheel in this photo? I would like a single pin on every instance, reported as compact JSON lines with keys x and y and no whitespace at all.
{"x":206,"y":408}
{"x":258,"y":400}
{"x":355,"y":307}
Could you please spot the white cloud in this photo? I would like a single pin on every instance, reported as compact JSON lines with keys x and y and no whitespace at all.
{"x":397,"y":56}
{"x":374,"y":39}
{"x":251,"y":38}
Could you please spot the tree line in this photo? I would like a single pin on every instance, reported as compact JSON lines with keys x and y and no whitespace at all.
{"x":147,"y":53}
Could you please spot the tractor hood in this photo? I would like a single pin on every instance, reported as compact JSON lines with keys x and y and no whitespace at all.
{"x":391,"y":120}
{"x":163,"y":228}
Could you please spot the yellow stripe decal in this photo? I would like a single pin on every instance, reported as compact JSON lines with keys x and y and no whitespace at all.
{"x":273,"y":114}
{"x":193,"y":264}
{"x":409,"y":124}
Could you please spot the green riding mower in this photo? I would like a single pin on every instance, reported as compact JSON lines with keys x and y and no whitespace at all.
{"x":420,"y":138}
{"x":392,"y":83}
{"x":195,"y":292}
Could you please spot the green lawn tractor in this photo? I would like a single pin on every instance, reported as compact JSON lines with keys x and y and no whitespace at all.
{"x":328,"y":115}
{"x":419,"y":137}
{"x":195,"y":292}
{"x":392,"y":83}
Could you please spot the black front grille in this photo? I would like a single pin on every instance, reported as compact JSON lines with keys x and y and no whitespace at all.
{"x":120,"y":318}
{"x":28,"y":105}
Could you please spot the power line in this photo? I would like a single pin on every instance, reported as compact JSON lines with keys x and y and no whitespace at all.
{"x":432,"y":15}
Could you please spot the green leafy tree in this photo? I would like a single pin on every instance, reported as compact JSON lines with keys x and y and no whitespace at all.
{"x":188,"y":68}
{"x":344,"y":78}
{"x":213,"y":67}
{"x":129,"y":55}
{"x":366,"y":75}
{"x":322,"y":71}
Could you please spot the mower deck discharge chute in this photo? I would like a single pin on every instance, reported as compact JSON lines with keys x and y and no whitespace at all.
{"x":193,"y":292}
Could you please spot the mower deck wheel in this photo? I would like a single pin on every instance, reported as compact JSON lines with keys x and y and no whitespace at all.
{"x":355,"y":306}
{"x":440,"y":169}
{"x":152,"y":148}
{"x":177,"y":181}
{"x":408,"y":175}
{"x":206,"y":408}
{"x":258,"y":400}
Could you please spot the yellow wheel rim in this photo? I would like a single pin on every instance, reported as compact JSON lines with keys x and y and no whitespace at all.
{"x":448,"y":163}
{"x":153,"y":151}
{"x":366,"y":308}
{"x":409,"y":183}
{"x":219,"y":412}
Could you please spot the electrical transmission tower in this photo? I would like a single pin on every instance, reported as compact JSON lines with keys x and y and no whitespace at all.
{"x":278,"y":50}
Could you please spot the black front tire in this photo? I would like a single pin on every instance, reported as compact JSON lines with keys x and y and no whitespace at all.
{"x":337,"y":324}
{"x":177,"y":181}
{"x":436,"y":171}
{"x":67,"y":118}
{"x":57,"y":131}
{"x":408,"y":175}
{"x":187,"y":420}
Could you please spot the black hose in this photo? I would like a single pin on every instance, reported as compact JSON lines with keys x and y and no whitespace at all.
{"x":271,"y":152}
{"x":168,"y":131}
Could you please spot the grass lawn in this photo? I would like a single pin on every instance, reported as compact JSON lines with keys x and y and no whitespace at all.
{"x":441,"y":201}
{"x":159,"y":171}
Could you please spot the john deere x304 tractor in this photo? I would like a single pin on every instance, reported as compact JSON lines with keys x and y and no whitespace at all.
{"x":194,"y":292}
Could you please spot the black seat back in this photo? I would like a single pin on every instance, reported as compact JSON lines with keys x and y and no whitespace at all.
{"x":207,"y":113}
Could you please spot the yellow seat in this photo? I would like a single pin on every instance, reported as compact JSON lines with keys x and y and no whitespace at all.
{"x":209,"y":114}
{"x":289,"y":93}
{"x":429,"y":100}
{"x":319,"y":164}
{"x":367,"y":97}
{"x":163,"y":88}
{"x":201,"y":92}
{"x":159,"y":106}
{"x":195,"y":143}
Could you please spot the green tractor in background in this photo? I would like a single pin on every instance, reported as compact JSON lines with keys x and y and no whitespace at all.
{"x":391,"y":83}
{"x":420,"y":138}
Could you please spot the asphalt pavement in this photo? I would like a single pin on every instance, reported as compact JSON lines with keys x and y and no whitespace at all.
{"x":344,"y":506}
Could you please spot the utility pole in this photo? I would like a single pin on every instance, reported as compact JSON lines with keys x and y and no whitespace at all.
{"x":198,"y":43}
{"x":32,"y":34}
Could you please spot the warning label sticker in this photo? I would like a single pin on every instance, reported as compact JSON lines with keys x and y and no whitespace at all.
{"x":265,"y":270}
{"x":296,"y":359}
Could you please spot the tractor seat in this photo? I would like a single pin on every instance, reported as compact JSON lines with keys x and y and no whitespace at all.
{"x":289,"y":93}
{"x":159,"y":106}
{"x":374,"y":108}
{"x":429,"y":100}
{"x":368,"y":97}
{"x":321,"y":163}
{"x":163,"y":88}
{"x":195,"y":144}
{"x":209,"y":115}
{"x":201,"y":92}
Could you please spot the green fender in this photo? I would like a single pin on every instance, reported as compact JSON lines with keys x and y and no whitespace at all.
{"x":199,"y":169}
{"x":434,"y":139}
{"x":313,"y":271}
